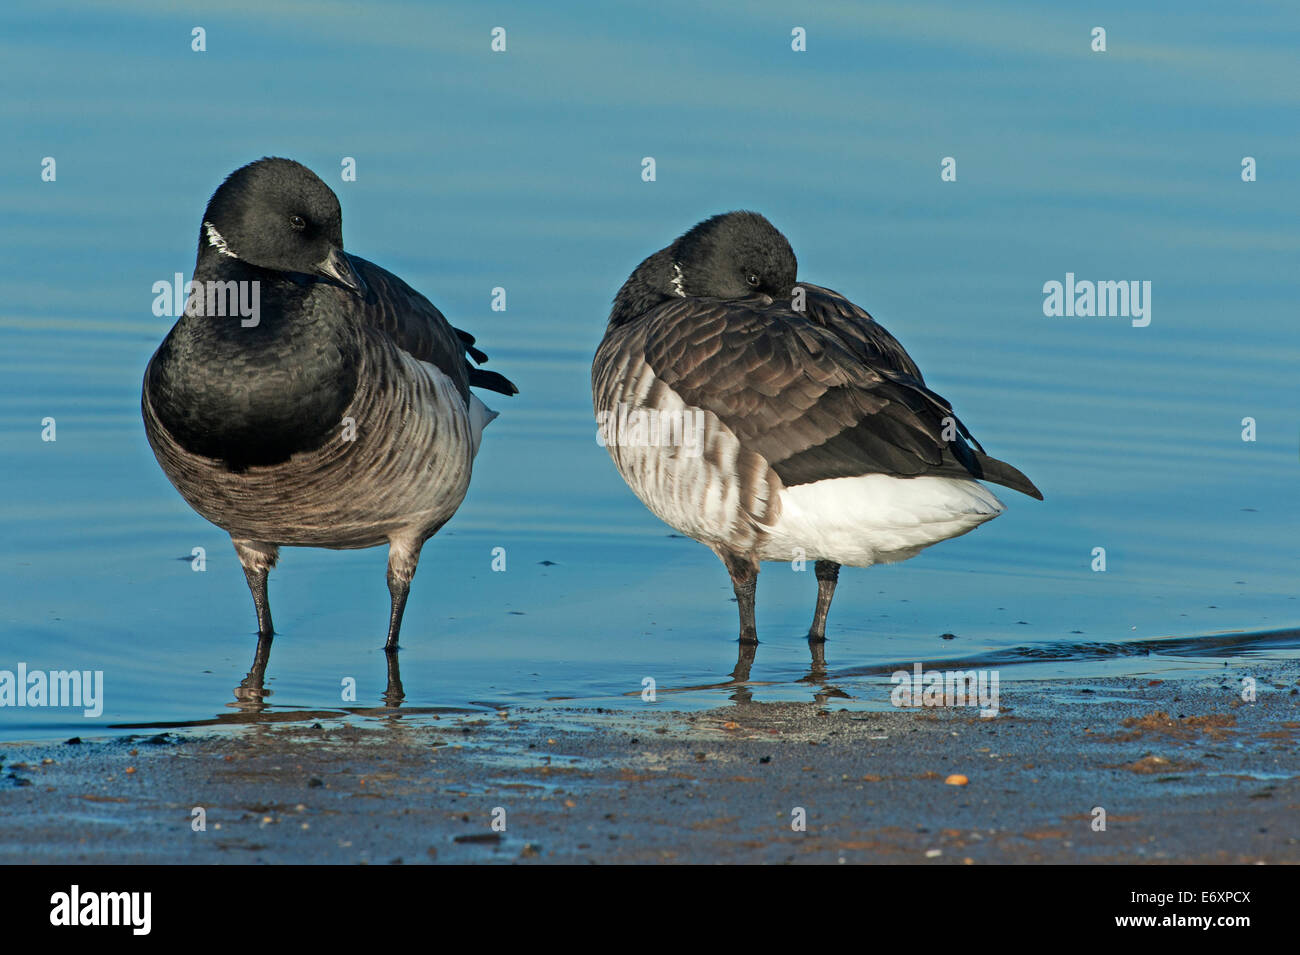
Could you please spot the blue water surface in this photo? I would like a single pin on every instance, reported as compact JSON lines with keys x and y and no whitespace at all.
{"x":523,"y":169}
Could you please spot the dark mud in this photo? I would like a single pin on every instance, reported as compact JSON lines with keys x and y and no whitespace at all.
{"x":1185,"y":770}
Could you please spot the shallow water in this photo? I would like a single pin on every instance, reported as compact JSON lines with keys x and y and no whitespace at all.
{"x":523,"y":170}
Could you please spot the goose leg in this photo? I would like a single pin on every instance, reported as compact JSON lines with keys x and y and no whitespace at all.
{"x":744,"y":580}
{"x":393,"y":692}
{"x":257,"y":559}
{"x":403,"y":556}
{"x":828,"y":572}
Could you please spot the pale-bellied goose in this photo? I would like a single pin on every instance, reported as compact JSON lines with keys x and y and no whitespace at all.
{"x":773,"y":419}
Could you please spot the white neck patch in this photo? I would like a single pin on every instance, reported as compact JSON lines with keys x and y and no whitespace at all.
{"x":216,"y":241}
{"x":676,"y":280}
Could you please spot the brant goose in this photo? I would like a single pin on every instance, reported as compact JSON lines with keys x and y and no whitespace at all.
{"x":775,"y":420}
{"x":335,"y":412}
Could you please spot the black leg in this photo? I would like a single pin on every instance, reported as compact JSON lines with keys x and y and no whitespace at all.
{"x":398,"y":590}
{"x":257,"y":559}
{"x":744,"y":580}
{"x":403,"y":557}
{"x":393,"y":693}
{"x":257,"y":585}
{"x":828,"y":572}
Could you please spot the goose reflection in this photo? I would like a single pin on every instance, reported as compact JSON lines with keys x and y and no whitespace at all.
{"x":393,"y":696}
{"x":816,"y":676}
{"x":251,"y":694}
{"x":741,"y":684}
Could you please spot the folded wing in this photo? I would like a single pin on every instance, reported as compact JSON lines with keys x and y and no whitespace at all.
{"x":417,"y":327}
{"x":820,"y":393}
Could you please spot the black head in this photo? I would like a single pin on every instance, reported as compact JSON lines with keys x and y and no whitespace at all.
{"x":277,"y":214}
{"x":734,"y":255}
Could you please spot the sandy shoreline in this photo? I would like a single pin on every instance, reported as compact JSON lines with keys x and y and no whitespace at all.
{"x":1186,"y":773}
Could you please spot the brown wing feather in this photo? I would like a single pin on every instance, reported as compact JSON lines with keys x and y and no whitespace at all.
{"x":822,"y":393}
{"x":416,"y":326}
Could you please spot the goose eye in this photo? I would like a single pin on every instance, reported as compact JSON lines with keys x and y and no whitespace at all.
{"x":298,"y":222}
{"x":752,"y":280}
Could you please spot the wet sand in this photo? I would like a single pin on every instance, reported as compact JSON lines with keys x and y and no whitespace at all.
{"x":1186,"y":772}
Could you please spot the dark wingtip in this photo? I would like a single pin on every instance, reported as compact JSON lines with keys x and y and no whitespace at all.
{"x":999,"y":472}
{"x":1025,"y":486}
{"x":478,"y":377}
{"x":482,"y":378}
{"x":468,"y":340}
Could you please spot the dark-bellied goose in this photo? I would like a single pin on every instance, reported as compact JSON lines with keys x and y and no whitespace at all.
{"x":332,"y":409}
{"x":775,"y":420}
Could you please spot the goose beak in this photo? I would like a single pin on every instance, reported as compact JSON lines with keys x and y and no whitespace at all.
{"x":338,"y":266}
